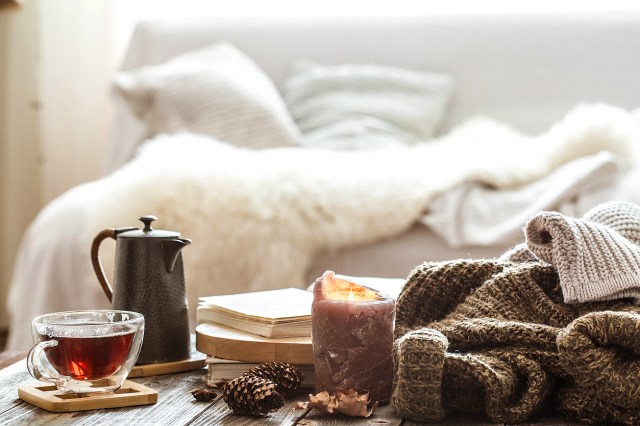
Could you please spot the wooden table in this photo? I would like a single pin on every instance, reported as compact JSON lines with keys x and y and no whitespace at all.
{"x":176,"y":406}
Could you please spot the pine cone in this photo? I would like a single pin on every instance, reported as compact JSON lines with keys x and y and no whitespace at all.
{"x":285,"y":376}
{"x":252,"y":395}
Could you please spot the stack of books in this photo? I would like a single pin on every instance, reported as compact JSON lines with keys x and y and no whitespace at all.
{"x":219,"y":369}
{"x":275,"y":315}
{"x":277,"y":319}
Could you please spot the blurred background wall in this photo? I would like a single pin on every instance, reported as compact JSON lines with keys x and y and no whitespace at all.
{"x":56,"y":59}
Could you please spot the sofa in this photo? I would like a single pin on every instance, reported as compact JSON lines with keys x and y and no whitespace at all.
{"x":528,"y":74}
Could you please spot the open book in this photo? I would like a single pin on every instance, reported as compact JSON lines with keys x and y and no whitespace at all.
{"x":272,"y":313}
{"x":276,"y":313}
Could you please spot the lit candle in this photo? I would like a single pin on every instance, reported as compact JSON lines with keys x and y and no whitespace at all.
{"x":352,"y":336}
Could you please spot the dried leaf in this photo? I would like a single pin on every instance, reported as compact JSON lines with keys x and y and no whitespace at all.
{"x":300,"y":405}
{"x":324,"y":402}
{"x":348,"y":402}
{"x":203,"y":395}
{"x":354,"y":404}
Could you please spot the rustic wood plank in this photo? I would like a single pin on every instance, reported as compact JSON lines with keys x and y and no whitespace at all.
{"x":13,"y":411}
{"x":222,"y":415}
{"x":287,"y":416}
{"x":194,"y":362}
{"x":24,"y":413}
{"x":10,"y":378}
{"x":190,"y":364}
{"x":228,"y":343}
{"x":175,"y":406}
{"x":383,"y":416}
{"x":458,"y":419}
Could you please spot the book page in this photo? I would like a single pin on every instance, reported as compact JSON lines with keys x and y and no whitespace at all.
{"x":270,"y":305}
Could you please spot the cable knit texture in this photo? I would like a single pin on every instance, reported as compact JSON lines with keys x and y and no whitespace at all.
{"x":597,"y":257}
{"x":497,"y":337}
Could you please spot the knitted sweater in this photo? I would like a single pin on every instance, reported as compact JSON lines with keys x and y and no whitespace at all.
{"x":597,"y":257}
{"x":497,"y":337}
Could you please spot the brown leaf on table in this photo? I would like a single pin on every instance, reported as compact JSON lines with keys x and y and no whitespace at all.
{"x":348,"y":402}
{"x":314,"y":402}
{"x":203,"y":395}
{"x":352,"y":403}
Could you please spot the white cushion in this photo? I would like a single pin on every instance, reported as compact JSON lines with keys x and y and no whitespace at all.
{"x":356,"y":106}
{"x":216,"y":91}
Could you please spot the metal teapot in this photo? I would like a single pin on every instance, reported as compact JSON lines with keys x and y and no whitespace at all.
{"x":149,"y":278}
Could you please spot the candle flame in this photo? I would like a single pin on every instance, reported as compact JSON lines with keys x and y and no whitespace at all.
{"x":351,"y":298}
{"x":341,"y":288}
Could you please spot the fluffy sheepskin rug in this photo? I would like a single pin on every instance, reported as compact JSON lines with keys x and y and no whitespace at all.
{"x":257,"y":218}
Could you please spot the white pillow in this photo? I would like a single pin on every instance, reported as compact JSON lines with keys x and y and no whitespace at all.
{"x":357,"y":106}
{"x":216,"y":91}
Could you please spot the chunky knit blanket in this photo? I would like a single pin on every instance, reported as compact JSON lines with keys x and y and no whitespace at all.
{"x":498,"y":337}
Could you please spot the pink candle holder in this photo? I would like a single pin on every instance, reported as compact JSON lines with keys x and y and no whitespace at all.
{"x":352,"y":336}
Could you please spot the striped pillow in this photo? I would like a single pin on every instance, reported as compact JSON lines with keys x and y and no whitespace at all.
{"x":365,"y":106}
{"x":217,"y":91}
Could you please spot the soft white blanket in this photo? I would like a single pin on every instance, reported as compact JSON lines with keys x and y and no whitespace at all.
{"x":472,"y":214}
{"x":257,"y":218}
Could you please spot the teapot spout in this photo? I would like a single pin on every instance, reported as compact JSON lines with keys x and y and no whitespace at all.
{"x":171,"y":250}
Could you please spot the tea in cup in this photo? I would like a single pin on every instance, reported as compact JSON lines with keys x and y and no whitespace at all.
{"x":85,"y":351}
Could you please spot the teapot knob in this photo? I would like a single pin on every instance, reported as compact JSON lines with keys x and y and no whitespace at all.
{"x":147,"y":222}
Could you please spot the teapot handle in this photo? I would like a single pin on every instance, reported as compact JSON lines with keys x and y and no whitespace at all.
{"x":95,"y":257}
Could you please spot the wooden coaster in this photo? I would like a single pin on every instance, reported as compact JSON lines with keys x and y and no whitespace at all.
{"x":195,"y":362}
{"x":50,"y":398}
{"x":228,"y":343}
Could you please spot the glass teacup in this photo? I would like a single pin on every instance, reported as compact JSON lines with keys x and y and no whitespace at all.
{"x":85,"y":351}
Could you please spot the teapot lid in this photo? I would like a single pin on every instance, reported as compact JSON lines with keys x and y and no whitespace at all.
{"x":148,"y":231}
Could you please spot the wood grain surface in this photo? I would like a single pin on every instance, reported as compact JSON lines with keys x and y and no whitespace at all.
{"x":47,"y":396}
{"x":194,"y":362}
{"x":177,"y":407}
{"x":228,"y":343}
{"x":167,"y":367}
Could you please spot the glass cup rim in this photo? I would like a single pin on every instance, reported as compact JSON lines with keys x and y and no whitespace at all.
{"x":134,"y":318}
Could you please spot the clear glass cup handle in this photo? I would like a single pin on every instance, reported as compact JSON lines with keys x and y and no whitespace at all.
{"x":38,"y":364}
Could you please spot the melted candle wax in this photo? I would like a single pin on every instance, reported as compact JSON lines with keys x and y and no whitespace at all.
{"x":352,"y":336}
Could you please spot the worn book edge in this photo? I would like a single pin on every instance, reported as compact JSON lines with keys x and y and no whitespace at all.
{"x":294,"y":328}
{"x":268,"y":306}
{"x":219,"y":368}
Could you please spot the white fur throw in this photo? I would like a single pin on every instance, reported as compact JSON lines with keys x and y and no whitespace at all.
{"x":257,"y":219}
